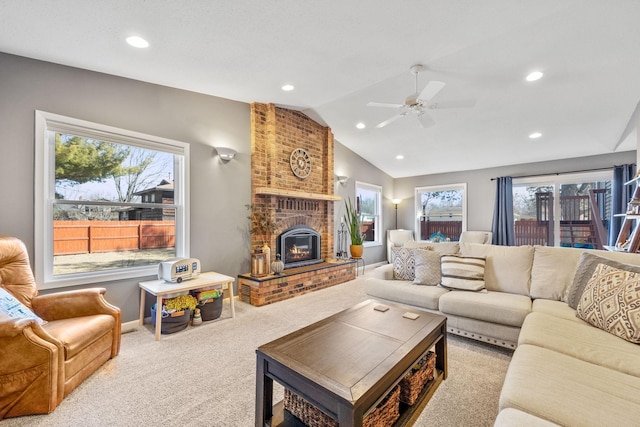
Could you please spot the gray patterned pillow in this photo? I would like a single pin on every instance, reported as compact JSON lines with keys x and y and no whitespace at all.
{"x":463,"y":272}
{"x":586,"y":266}
{"x":611,"y":302}
{"x":427,"y":267}
{"x":403,"y":264}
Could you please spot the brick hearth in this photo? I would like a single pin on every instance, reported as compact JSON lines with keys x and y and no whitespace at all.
{"x":275,"y":133}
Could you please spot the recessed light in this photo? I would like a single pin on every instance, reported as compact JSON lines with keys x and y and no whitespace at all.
{"x":399,"y":157}
{"x":535,"y":135}
{"x":288,"y":87}
{"x":535,"y":75}
{"x":136,"y":41}
{"x":361,"y":125}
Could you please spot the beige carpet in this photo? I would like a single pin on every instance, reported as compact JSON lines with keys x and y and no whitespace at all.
{"x":205,"y":375}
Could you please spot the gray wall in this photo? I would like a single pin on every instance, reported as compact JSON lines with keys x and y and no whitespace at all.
{"x":348,"y":163}
{"x":218,"y":191}
{"x":481,"y":189}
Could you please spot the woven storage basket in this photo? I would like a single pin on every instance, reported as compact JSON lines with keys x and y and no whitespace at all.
{"x":413,"y":383}
{"x":384,"y":415}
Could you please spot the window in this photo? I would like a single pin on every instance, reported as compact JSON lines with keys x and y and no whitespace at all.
{"x":369,"y":205}
{"x":110,"y":203}
{"x":570,"y":210}
{"x":441,"y":212}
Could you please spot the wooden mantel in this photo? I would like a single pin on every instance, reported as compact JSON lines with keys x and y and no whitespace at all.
{"x":297,"y":194}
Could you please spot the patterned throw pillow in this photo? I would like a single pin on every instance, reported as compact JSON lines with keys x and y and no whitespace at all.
{"x":403,"y":264}
{"x":463,"y":272}
{"x":10,"y":306}
{"x":427,"y":267}
{"x":584,"y":271}
{"x":611,"y":302}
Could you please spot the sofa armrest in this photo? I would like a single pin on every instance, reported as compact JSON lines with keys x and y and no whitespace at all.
{"x":82,"y":302}
{"x":31,"y":369}
{"x":384,"y":272}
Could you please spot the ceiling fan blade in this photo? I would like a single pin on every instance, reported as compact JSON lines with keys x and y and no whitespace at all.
{"x":392,"y":119}
{"x":425,"y":120}
{"x":383,"y":104}
{"x":430,"y":90}
{"x":464,"y":103}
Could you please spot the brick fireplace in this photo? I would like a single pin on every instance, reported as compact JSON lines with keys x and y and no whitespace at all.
{"x":292,"y":200}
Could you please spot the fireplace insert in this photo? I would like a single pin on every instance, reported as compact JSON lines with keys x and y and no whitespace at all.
{"x":298,"y":246}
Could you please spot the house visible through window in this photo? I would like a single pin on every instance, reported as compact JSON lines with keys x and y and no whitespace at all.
{"x":369,"y":205}
{"x":110,"y":204}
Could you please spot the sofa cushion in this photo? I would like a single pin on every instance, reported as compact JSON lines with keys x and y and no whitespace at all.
{"x":582,"y":341}
{"x":10,"y":306}
{"x":552,"y":271}
{"x":495,"y":307}
{"x":510,"y":417}
{"x":611,"y":302}
{"x":555,"y":308}
{"x":462,"y":272}
{"x":404,"y":292}
{"x":427,"y":267}
{"x":403,"y":264}
{"x":569,"y":391}
{"x":508,"y":268}
{"x":587,"y":265}
{"x":442,"y":247}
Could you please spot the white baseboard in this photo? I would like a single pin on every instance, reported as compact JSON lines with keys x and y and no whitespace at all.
{"x":130,"y":326}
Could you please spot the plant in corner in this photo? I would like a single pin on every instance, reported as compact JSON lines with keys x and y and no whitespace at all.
{"x":354,"y":226}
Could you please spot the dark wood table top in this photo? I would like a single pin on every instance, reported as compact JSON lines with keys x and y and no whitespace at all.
{"x":352,"y":352}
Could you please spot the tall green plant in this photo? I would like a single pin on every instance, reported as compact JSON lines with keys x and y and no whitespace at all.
{"x":352,"y":218}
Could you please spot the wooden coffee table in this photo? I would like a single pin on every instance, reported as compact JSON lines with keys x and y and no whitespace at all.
{"x":347,"y":363}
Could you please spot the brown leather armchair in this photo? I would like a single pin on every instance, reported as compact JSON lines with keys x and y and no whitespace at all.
{"x":41,"y":364}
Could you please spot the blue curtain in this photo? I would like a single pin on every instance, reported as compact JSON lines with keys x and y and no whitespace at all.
{"x":503,"y":226}
{"x":620,"y":196}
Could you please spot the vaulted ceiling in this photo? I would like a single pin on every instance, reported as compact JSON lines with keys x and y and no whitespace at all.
{"x":340,"y":55}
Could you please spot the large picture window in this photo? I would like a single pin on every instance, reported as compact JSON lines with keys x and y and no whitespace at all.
{"x":369,"y":205}
{"x":441,"y":212}
{"x":110,"y":203}
{"x":569,"y":210}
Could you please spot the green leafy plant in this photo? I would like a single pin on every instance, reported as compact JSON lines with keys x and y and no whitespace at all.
{"x":352,"y":219}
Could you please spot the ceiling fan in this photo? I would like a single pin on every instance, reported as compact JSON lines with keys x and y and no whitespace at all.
{"x":416,"y":103}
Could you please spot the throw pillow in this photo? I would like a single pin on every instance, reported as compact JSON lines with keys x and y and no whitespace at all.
{"x":611,"y":302}
{"x":10,"y":306}
{"x":403,"y":264}
{"x":463,"y":272}
{"x":427,"y":267}
{"x":584,"y":271}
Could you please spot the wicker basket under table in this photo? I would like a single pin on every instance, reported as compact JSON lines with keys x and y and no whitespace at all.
{"x":413,"y":383}
{"x":384,"y":415}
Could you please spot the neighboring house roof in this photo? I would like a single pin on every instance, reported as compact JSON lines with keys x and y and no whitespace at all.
{"x":163,"y":186}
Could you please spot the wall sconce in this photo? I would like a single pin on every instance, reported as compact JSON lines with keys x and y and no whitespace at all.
{"x":343,"y":180}
{"x":225,"y":153}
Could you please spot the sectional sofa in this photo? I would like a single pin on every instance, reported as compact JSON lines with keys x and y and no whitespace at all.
{"x":564,"y":370}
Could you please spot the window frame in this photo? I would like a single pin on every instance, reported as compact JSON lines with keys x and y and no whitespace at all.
{"x":432,"y":188}
{"x":378,"y":217}
{"x":46,"y":126}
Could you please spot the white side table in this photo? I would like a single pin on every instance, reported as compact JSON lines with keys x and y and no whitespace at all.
{"x":160,"y":289}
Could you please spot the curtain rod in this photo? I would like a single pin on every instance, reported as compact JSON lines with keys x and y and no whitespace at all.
{"x":560,"y":173}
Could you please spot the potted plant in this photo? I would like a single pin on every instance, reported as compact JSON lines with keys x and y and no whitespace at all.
{"x":354,"y":226}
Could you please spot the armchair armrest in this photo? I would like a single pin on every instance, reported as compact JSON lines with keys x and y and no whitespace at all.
{"x":82,"y":302}
{"x":384,"y":272}
{"x":31,"y":369}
